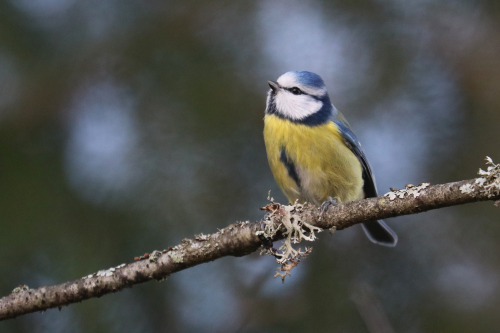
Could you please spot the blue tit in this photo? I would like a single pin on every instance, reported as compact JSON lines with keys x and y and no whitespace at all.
{"x":312,"y":151}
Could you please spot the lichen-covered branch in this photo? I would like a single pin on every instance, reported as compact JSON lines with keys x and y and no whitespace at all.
{"x":292,"y":223}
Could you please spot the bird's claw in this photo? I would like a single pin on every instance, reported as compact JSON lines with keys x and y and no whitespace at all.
{"x":326,"y":204}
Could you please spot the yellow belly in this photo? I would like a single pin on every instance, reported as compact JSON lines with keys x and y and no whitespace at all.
{"x":325,"y":166}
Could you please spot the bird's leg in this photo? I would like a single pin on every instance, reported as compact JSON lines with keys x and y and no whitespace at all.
{"x":326,"y":204}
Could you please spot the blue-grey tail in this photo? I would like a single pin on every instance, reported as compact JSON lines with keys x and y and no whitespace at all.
{"x":379,"y":233}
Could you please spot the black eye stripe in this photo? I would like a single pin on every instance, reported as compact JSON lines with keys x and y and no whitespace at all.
{"x":298,"y":91}
{"x":295,"y":91}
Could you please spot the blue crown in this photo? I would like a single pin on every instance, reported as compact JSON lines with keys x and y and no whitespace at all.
{"x":309,"y":79}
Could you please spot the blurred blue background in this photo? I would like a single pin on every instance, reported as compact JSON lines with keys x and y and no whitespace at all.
{"x":126,"y":126}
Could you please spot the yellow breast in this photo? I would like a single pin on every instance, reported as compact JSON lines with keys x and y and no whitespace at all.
{"x":325,"y":165}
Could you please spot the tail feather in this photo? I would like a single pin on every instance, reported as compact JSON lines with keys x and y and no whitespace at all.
{"x":379,"y":233}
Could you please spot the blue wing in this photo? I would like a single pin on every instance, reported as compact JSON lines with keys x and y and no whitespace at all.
{"x":351,"y":141}
{"x":377,"y":231}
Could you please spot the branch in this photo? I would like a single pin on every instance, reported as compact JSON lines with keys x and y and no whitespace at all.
{"x":292,"y":223}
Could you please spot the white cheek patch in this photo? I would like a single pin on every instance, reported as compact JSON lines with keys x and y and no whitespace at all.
{"x":296,"y":107}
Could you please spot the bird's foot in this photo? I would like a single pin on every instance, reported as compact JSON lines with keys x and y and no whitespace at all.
{"x":326,"y":204}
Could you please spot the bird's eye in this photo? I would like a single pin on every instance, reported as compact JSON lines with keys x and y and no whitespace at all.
{"x":295,"y":91}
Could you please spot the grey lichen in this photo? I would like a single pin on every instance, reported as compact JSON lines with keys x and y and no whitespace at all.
{"x":20,"y":288}
{"x":176,"y":256}
{"x":489,"y":182}
{"x":202,"y":237}
{"x":467,"y":189}
{"x":409,"y":190}
{"x":154,"y":256}
{"x":295,"y":230}
{"x":104,"y":272}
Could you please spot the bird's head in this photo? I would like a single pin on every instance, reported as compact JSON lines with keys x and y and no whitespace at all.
{"x":301,"y":97}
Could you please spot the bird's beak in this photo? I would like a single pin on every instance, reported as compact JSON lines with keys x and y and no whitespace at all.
{"x":274,"y":85}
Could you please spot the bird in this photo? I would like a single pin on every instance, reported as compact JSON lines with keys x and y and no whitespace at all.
{"x":312,"y":151}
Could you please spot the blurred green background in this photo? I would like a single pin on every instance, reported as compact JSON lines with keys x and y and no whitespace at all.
{"x":126,"y":126}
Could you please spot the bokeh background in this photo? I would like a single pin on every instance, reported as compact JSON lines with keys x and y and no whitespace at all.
{"x":126,"y":126}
